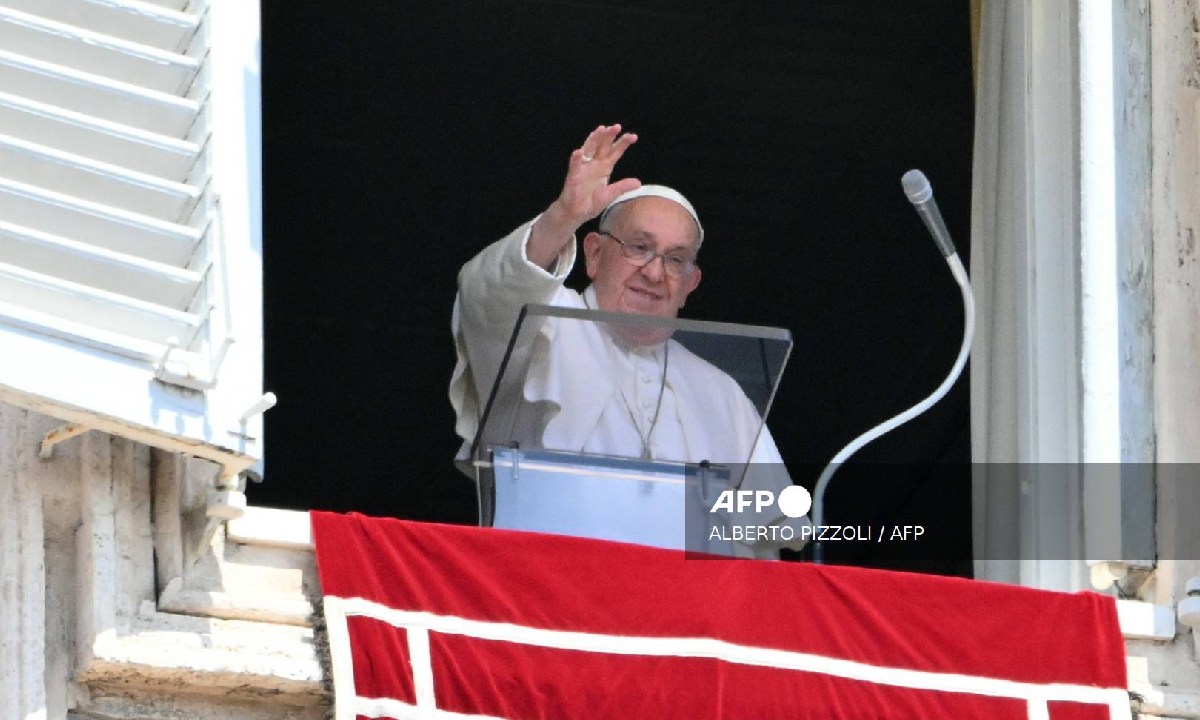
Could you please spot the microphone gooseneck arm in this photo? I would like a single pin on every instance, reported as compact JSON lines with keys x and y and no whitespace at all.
{"x":919,"y":192}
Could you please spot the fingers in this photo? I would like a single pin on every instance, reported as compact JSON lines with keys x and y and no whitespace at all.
{"x":596,"y":140}
{"x":578,"y":157}
{"x":622,"y":144}
{"x":605,"y":144}
{"x":586,"y":190}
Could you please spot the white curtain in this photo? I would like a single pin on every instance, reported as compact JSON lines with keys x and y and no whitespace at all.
{"x":998,"y":191}
{"x":1023,"y":265}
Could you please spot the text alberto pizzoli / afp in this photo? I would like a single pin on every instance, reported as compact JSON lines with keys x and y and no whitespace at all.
{"x":795,"y":502}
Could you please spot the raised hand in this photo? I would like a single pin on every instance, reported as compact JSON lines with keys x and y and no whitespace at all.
{"x":585,"y":193}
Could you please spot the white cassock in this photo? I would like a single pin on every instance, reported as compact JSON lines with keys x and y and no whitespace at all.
{"x":586,"y":393}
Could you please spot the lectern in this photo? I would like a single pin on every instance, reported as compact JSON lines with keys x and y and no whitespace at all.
{"x":572,"y":380}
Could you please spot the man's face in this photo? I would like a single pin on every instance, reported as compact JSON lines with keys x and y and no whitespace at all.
{"x":622,"y":286}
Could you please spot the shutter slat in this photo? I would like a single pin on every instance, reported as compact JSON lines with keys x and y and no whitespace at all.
{"x":89,"y":136}
{"x":108,"y":311}
{"x":93,"y":94}
{"x":98,"y":224}
{"x":76,"y":332}
{"x":86,"y":179}
{"x":104,"y":55}
{"x":83,"y":263}
{"x":138,"y":22}
{"x":179,"y":5}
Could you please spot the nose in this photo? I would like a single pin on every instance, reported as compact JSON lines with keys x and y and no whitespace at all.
{"x":656,"y":269}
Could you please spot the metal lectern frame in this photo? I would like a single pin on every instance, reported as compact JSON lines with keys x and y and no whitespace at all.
{"x":614,"y":497}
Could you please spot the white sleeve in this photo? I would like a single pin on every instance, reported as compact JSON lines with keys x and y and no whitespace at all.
{"x":492,"y":288}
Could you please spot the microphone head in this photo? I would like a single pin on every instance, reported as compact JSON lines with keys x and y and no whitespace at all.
{"x":916,"y":186}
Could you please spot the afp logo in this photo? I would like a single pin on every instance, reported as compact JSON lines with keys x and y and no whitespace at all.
{"x":794,"y":501}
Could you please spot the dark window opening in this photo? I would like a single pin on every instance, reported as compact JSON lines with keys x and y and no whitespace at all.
{"x":401,"y":139}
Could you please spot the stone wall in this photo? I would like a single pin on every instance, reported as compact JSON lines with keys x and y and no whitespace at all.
{"x":120,"y":599}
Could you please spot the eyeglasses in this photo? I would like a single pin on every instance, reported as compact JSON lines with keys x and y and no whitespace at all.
{"x":676,"y":264}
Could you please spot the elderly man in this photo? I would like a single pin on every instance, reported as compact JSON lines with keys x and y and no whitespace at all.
{"x":641,"y":260}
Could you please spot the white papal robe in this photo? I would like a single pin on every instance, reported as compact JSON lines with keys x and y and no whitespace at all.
{"x":587,"y":393}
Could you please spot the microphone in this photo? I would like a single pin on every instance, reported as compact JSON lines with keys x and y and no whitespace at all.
{"x":920,"y":194}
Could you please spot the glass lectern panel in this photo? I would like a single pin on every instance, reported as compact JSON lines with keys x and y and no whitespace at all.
{"x":605,"y":424}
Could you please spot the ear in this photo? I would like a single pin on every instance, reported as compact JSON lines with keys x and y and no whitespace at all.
{"x":591,"y":253}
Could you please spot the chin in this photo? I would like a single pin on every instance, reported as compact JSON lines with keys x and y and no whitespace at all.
{"x":657,"y":310}
{"x":642,"y":305}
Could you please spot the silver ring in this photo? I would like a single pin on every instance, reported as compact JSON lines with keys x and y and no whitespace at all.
{"x":586,"y":158}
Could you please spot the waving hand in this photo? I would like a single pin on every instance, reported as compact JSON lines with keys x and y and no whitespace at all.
{"x":585,"y":193}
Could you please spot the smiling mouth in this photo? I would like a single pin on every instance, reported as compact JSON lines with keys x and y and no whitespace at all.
{"x":640,"y":292}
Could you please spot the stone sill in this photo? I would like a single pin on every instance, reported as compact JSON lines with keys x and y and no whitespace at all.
{"x":1146,"y":621}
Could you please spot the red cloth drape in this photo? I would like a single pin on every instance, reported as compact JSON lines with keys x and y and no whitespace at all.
{"x":521,"y":625}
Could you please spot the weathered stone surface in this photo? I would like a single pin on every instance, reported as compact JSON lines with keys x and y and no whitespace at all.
{"x":106,"y":613}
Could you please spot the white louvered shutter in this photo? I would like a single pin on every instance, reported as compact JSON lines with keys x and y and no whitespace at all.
{"x":130,"y":245}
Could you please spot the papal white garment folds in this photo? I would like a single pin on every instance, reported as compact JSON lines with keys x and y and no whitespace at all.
{"x":585,"y":391}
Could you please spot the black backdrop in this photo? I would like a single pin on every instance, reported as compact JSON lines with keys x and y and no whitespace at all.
{"x":401,"y":138}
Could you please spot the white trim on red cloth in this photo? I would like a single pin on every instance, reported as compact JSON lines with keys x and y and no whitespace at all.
{"x":419,"y":625}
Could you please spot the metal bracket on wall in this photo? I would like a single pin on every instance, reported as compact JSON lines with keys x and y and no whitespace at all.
{"x":57,"y":435}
